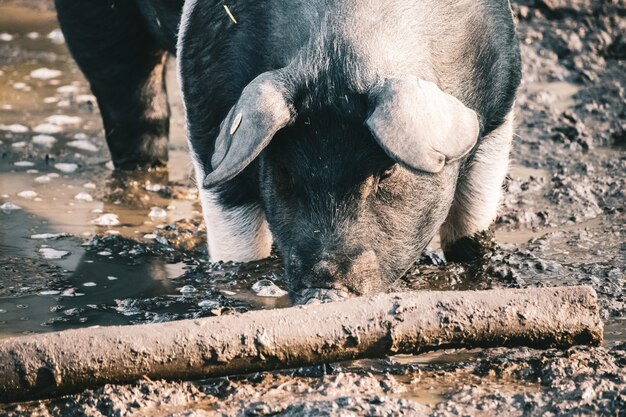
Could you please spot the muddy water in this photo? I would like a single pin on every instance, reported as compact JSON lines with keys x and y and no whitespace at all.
{"x":55,"y":167}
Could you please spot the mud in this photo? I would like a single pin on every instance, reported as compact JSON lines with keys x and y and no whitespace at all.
{"x":562,"y":222}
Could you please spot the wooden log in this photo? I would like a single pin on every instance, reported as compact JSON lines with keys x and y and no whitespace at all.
{"x":43,"y":365}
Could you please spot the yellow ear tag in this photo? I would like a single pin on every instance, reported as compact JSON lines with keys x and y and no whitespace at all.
{"x":236,"y":123}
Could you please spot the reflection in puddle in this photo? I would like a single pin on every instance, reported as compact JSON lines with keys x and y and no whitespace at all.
{"x":559,"y":94}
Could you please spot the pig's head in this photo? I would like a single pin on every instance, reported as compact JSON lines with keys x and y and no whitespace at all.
{"x":354,"y":185}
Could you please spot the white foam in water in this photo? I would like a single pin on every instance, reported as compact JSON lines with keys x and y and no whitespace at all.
{"x":83,"y":196}
{"x":45,"y":73}
{"x":24,"y":164}
{"x":44,"y":179}
{"x":32,"y":171}
{"x":63,"y":120}
{"x":56,"y":36}
{"x":108,"y":219}
{"x":9,"y":207}
{"x":112,"y":278}
{"x":266,"y":288}
{"x":6,"y":37}
{"x":49,"y":292}
{"x":157,"y":213}
{"x":89,"y":284}
{"x":105,"y":253}
{"x":27,"y":194}
{"x":68,"y":168}
{"x":83,"y":145}
{"x":47,"y":128}
{"x":49,"y":253}
{"x":19,"y":144}
{"x":44,"y":236}
{"x":15,"y":128}
{"x":20,"y":86}
{"x":44,"y":140}
{"x":32,"y":35}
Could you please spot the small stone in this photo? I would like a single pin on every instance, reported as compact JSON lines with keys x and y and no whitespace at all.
{"x":14,"y":128}
{"x":44,"y":179}
{"x":157,"y":213}
{"x":267,"y":288}
{"x":47,"y":128}
{"x":45,"y":73}
{"x":108,"y":219}
{"x":188,"y":289}
{"x":27,"y":194}
{"x":83,"y":196}
{"x":44,"y":140}
{"x":83,"y":145}
{"x":49,"y":253}
{"x":68,"y":168}
{"x":9,"y":207}
{"x":24,"y":164}
{"x":63,"y":120}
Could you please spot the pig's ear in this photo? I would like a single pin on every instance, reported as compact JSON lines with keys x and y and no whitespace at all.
{"x":261,"y":111}
{"x":420,"y":126}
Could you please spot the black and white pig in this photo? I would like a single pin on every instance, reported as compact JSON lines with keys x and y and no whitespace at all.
{"x":347,"y":132}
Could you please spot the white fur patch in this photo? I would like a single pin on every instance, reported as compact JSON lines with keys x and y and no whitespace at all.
{"x":240,"y":234}
{"x":477,"y":197}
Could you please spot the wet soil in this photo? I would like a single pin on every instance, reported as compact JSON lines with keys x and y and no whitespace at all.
{"x":130,"y":248}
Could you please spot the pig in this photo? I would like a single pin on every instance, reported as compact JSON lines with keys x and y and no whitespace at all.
{"x":346,"y":132}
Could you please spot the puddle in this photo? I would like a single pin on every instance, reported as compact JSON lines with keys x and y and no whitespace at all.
{"x":558,"y":94}
{"x":526,"y":173}
{"x":55,"y":168}
{"x":518,"y":237}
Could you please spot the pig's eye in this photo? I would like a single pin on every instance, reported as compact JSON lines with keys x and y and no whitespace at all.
{"x":386,"y":173}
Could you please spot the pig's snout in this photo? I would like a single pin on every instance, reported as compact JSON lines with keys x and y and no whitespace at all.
{"x":356,"y":273}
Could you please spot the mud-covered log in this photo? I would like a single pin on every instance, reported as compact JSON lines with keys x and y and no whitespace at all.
{"x":368,"y":327}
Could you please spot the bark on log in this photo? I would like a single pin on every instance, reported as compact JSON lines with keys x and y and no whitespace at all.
{"x":69,"y":361}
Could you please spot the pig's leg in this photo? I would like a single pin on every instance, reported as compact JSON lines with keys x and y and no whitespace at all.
{"x":126,"y":70}
{"x":478,"y":195}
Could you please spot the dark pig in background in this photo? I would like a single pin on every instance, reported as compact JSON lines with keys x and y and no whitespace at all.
{"x":347,"y":132}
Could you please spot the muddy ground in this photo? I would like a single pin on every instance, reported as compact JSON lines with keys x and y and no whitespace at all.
{"x":81,"y":245}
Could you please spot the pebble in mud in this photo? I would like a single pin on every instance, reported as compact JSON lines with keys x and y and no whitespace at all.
{"x":157,"y":213}
{"x":27,"y":194}
{"x":8,"y":207}
{"x":83,"y":145}
{"x":44,"y":140}
{"x":47,"y":128}
{"x":65,"y":167}
{"x":63,"y":120}
{"x":50,"y":253}
{"x":108,"y":219}
{"x":267,"y":288}
{"x":45,"y":73}
{"x":14,"y":128}
{"x":83,"y":196}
